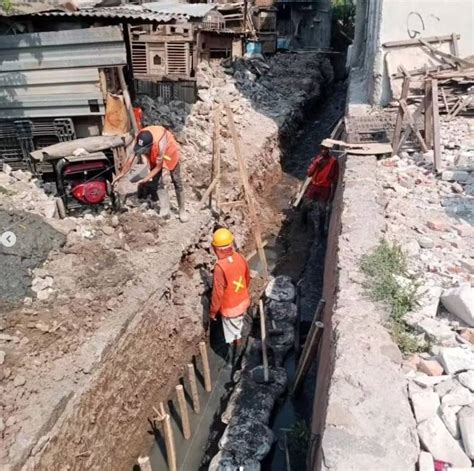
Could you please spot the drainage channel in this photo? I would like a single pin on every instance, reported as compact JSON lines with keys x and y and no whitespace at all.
{"x":293,"y":249}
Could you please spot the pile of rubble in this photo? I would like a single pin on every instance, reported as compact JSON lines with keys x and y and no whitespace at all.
{"x":252,"y":88}
{"x":431,"y":217}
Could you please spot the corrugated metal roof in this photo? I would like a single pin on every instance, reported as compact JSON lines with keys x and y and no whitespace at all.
{"x":192,"y":10}
{"x":156,"y":11}
{"x":124,"y":12}
{"x":56,"y":73}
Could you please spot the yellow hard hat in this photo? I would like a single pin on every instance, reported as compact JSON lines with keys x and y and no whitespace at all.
{"x":222,"y":237}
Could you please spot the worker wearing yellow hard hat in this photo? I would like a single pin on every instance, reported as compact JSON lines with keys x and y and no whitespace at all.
{"x":230,"y":287}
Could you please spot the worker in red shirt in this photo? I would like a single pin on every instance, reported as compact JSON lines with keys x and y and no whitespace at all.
{"x":230,"y":287}
{"x":324,"y":174}
{"x":159,"y":147}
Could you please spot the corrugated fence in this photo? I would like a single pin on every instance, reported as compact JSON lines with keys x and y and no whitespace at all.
{"x":56,"y":73}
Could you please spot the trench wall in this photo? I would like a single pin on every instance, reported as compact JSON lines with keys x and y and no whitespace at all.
{"x":361,"y":415}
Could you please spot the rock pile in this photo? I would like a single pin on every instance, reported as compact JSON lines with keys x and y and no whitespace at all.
{"x":432,"y":218}
{"x":247,"y":438}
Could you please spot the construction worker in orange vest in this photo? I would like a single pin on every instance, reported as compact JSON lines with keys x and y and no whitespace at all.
{"x":324,"y":174}
{"x":161,"y":150}
{"x":230,"y":287}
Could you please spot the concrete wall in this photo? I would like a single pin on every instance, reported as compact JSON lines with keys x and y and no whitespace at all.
{"x":380,"y":21}
{"x":361,"y":417}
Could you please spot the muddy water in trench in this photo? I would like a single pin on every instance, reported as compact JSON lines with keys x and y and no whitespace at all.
{"x":292,"y":249}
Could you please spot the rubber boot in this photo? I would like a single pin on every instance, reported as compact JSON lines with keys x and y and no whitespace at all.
{"x":164,"y":199}
{"x":183,"y":216}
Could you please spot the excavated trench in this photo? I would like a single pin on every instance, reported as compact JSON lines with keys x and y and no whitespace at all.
{"x":296,"y":250}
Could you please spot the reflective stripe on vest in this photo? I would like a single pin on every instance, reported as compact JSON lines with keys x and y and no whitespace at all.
{"x":236,"y":294}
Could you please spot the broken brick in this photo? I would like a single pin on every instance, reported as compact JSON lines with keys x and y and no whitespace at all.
{"x":430,"y":367}
{"x":437,"y":225}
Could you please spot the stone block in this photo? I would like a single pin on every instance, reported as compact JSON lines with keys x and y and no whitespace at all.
{"x":425,"y":242}
{"x":440,"y":443}
{"x":437,"y":225}
{"x":466,"y":426}
{"x":437,"y":331}
{"x":430,"y":367}
{"x":458,"y":396}
{"x":460,"y":302}
{"x":454,"y":176}
{"x":449,"y":417}
{"x":429,"y":381}
{"x":456,"y":359}
{"x":445,"y":387}
{"x":425,"y":405}
{"x":425,"y":462}
{"x":467,"y":379}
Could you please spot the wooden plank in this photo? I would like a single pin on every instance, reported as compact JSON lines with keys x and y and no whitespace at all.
{"x":445,"y":101}
{"x":454,"y":39}
{"x":103,"y":84}
{"x":399,"y":122}
{"x":301,"y":193}
{"x":428,"y":115}
{"x":193,"y":387}
{"x":463,"y":104}
{"x":447,"y":56}
{"x":436,"y":126}
{"x":208,"y":192}
{"x":205,"y":366}
{"x":414,"y":42}
{"x":263,"y":332}
{"x":413,"y":125}
{"x":372,"y":148}
{"x":128,"y":101}
{"x":216,"y":148}
{"x":408,"y":130}
{"x":248,"y":192}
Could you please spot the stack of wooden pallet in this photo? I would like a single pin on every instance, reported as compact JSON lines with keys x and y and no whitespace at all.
{"x":446,"y":88}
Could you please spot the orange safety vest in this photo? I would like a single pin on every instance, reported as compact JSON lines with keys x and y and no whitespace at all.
{"x":236,"y":298}
{"x":171,"y":154}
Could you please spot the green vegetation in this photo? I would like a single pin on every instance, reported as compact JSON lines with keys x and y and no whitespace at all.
{"x":388,"y":282}
{"x":298,"y":444}
{"x":343,"y":21}
{"x":6,"y":5}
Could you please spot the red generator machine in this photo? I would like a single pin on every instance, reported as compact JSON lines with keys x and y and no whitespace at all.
{"x":84,"y":180}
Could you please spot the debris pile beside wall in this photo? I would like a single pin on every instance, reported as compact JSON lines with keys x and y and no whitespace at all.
{"x":431,"y":217}
{"x":248,"y":438}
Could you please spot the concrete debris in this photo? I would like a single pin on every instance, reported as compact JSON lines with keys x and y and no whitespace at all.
{"x":246,"y":440}
{"x":457,"y":359}
{"x":280,"y":288}
{"x":425,"y":405}
{"x":466,"y":425}
{"x":460,"y":302}
{"x":425,"y":242}
{"x":225,"y":461}
{"x":449,"y":417}
{"x":455,"y":176}
{"x":437,"y":331}
{"x":282,"y":311}
{"x":19,"y":381}
{"x":430,"y":381}
{"x":2,"y":425}
{"x":436,"y":438}
{"x":445,"y":387}
{"x":2,"y":357}
{"x":458,"y":396}
{"x":426,"y":462}
{"x":467,"y":379}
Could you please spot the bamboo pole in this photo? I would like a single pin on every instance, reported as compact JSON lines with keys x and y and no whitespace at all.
{"x":205,"y":365}
{"x":169,"y":439}
{"x":247,"y":191}
{"x":144,"y":463}
{"x":183,"y":410}
{"x":266,"y":376}
{"x":194,"y":389}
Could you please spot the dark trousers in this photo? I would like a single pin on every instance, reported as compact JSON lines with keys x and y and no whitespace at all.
{"x":151,"y":188}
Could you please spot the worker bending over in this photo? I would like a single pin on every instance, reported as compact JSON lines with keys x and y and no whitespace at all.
{"x":230,"y":287}
{"x":161,"y":150}
{"x":324,"y":173}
